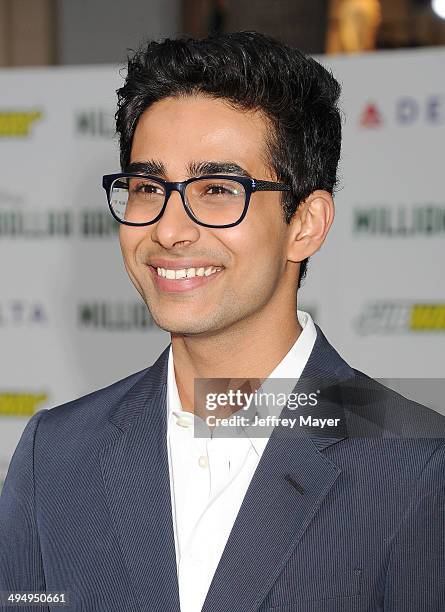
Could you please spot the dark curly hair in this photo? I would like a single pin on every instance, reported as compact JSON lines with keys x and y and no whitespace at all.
{"x":251,"y":71}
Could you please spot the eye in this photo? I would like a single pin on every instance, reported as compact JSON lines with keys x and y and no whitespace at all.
{"x":216,"y":189}
{"x":144,"y":187}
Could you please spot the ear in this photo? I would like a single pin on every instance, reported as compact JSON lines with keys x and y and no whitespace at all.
{"x":310,"y":225}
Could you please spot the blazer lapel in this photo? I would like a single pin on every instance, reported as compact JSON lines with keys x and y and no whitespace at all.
{"x":290,"y":482}
{"x":135,"y":471}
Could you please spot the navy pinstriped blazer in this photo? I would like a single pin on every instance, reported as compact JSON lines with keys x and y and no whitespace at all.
{"x":349,"y":521}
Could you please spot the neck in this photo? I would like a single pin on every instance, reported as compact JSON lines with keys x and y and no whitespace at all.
{"x":250,"y":349}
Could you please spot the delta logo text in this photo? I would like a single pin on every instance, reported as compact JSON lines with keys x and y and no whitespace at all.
{"x":405,"y":111}
{"x":399,"y":317}
{"x":114,"y":316}
{"x":21,"y":404}
{"x":18,"y":123}
{"x":399,"y":221}
{"x":22,"y":313}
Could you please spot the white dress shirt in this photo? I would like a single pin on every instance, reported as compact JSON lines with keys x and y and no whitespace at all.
{"x":209,"y":477}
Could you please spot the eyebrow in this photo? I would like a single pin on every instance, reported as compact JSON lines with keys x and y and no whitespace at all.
{"x":194,"y":168}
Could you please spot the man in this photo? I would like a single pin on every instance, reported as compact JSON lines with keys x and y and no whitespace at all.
{"x":229,"y":152}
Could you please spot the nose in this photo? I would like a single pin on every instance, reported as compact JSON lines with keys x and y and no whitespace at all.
{"x":175,"y":227}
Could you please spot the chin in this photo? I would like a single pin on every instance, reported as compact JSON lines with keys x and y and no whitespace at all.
{"x":178,"y":325}
{"x":195,"y":319}
{"x":181,"y":329}
{"x":190,"y":326}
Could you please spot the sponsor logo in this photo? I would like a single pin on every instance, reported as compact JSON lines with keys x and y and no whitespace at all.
{"x":371,"y":117}
{"x":97,"y":223}
{"x":20,"y":404}
{"x":405,"y":111}
{"x":21,"y":313}
{"x":387,"y":317}
{"x":409,"y":110}
{"x":57,"y":223}
{"x":399,"y":221}
{"x":18,"y":124}
{"x":95,"y":122}
{"x":35,"y":223}
{"x":427,"y":317}
{"x":114,"y":316}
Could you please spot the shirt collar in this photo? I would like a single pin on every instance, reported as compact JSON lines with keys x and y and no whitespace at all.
{"x":290,"y":368}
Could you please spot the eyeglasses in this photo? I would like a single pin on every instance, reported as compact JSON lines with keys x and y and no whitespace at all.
{"x":212,"y":201}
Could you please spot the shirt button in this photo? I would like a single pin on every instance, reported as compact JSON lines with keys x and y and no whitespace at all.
{"x":183,"y":419}
{"x":183,"y":422}
{"x":203,"y":461}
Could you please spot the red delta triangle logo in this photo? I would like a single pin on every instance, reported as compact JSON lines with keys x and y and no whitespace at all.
{"x":371,"y":117}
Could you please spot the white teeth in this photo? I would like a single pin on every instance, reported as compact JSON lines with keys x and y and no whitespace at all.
{"x":186,"y":272}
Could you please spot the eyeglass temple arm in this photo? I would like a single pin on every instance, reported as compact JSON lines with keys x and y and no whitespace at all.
{"x":270,"y":186}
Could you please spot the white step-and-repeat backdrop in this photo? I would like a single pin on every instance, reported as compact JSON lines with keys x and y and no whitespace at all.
{"x":71,"y":321}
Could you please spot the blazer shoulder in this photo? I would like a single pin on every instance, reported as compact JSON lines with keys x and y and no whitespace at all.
{"x":391,"y":411}
{"x":93,"y":408}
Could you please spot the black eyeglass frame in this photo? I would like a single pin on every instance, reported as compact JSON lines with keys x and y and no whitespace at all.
{"x":250,"y":186}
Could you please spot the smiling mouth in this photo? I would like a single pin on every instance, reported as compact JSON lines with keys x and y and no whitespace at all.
{"x":183,"y":279}
{"x":186,"y":272}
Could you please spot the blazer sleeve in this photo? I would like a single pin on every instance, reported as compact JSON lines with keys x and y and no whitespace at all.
{"x":21,"y":567}
{"x":416,"y":573}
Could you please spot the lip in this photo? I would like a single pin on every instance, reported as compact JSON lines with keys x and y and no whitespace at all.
{"x":183,"y":284}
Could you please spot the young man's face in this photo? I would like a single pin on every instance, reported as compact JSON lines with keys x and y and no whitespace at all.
{"x":175,"y":133}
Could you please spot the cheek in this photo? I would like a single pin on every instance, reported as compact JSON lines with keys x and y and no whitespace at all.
{"x":129,"y":239}
{"x":256,"y":244}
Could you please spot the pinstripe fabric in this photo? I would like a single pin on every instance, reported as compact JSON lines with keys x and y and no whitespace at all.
{"x":348,"y":520}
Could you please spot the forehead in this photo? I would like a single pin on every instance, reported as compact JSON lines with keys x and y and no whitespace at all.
{"x":178,"y":129}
